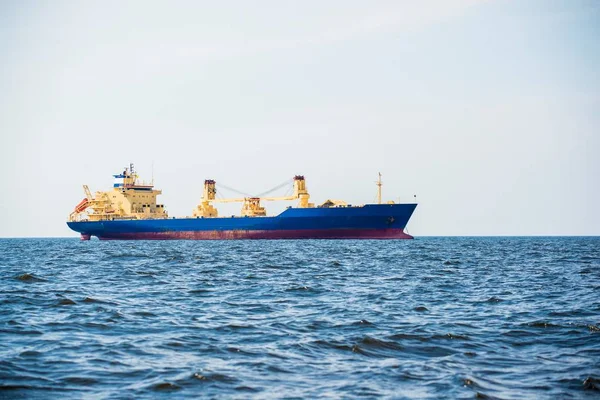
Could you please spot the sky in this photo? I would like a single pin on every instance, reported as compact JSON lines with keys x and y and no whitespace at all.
{"x":487,"y":111}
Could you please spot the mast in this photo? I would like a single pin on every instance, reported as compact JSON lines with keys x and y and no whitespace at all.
{"x":379,"y":183}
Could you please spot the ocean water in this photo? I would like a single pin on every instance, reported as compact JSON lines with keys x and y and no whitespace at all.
{"x":507,"y":318}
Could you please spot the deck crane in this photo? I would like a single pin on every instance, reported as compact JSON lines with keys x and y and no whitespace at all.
{"x":88,"y":194}
{"x":251,"y":205}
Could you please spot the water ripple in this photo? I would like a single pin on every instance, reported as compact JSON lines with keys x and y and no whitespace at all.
{"x":494,"y":318}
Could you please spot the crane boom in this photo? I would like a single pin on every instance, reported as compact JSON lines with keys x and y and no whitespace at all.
{"x":239,"y":200}
{"x":282,"y":198}
{"x":88,"y":194}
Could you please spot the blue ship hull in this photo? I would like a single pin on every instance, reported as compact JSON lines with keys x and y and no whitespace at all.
{"x":373,"y":221}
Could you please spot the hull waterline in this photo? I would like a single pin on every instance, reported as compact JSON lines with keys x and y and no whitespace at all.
{"x":240,"y":235}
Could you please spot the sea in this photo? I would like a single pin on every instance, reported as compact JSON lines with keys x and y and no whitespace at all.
{"x":430,"y":318}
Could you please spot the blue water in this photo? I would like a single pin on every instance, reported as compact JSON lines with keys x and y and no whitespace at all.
{"x":429,"y":318}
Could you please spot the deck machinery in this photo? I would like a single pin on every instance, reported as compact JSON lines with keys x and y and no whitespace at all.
{"x":251,"y":205}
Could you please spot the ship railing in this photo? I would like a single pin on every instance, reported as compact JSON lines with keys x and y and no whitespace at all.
{"x":78,"y":217}
{"x":405,"y":199}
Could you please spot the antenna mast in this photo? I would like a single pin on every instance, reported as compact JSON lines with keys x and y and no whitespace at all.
{"x":379,"y":183}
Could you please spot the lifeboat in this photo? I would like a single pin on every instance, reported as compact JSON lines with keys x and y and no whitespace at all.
{"x":82,"y":205}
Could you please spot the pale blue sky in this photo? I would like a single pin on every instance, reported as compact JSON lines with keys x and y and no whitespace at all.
{"x":489,"y":111}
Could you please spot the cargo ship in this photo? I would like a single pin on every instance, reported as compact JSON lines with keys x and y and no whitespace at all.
{"x":130,"y":211}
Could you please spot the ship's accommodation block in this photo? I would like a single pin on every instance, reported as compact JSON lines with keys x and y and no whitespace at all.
{"x":127,"y":200}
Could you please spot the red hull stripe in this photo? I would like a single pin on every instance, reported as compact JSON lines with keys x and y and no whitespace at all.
{"x":270,"y":234}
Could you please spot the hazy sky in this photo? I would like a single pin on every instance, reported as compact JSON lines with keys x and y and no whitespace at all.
{"x":488,"y":111}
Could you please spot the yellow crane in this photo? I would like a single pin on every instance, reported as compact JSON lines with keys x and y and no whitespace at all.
{"x":88,"y":194}
{"x":251,"y":205}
